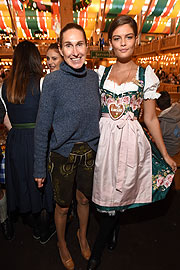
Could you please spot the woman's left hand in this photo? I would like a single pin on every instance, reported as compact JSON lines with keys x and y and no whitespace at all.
{"x":40,"y":182}
{"x":171,"y":163}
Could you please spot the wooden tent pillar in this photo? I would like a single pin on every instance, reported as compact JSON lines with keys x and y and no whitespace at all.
{"x":173,"y":26}
{"x":66,"y":12}
{"x":14,"y":39}
{"x":139,"y":23}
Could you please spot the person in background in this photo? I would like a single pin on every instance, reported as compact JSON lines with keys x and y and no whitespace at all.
{"x":21,"y":94}
{"x":70,"y":104}
{"x":101,"y":42}
{"x":169,"y":122}
{"x":159,"y":73}
{"x":6,"y":224}
{"x":54,"y":57}
{"x":178,"y":79}
{"x":91,"y":41}
{"x":6,"y":72}
{"x":129,"y":170}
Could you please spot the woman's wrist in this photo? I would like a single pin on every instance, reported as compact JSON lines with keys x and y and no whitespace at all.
{"x":165,"y":154}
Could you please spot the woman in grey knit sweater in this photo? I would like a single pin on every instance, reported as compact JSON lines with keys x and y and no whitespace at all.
{"x":70,"y":105}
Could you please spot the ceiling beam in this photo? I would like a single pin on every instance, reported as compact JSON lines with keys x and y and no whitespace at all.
{"x":177,"y":30}
{"x":66,"y":12}
{"x":145,"y":16}
{"x":103,"y":16}
{"x":13,"y":22}
{"x":173,"y":26}
{"x":11,"y":16}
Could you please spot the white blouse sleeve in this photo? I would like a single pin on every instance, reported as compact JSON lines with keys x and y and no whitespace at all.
{"x":151,"y":84}
{"x":41,"y":83}
{"x":100,"y":72}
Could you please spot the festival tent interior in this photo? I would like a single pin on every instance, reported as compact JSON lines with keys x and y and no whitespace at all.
{"x":40,"y":19}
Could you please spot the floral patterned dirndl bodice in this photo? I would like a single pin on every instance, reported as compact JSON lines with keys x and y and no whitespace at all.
{"x":125,"y":102}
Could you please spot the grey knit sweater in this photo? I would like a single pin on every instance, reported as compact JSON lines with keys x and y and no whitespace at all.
{"x":70,"y":104}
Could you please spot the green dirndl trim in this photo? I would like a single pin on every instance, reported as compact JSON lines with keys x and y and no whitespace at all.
{"x":162,"y":174}
{"x":24,"y":125}
{"x":162,"y":177}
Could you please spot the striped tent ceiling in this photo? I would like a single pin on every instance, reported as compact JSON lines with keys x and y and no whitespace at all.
{"x":41,"y":18}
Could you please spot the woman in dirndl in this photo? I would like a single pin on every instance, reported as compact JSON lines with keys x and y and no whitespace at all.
{"x":130,"y":170}
{"x":21,"y":95}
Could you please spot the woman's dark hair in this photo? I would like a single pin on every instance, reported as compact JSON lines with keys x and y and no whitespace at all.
{"x":68,"y":27}
{"x":164,"y":101}
{"x":54,"y":46}
{"x":121,"y":20}
{"x":26,"y":62}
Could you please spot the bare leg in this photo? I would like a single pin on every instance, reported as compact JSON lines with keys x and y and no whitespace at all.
{"x":83,"y":214}
{"x":60,"y":221}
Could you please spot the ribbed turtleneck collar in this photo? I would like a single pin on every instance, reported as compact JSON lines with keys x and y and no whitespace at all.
{"x":75,"y":72}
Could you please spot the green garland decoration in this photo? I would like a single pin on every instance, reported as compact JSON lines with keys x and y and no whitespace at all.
{"x":81,"y":4}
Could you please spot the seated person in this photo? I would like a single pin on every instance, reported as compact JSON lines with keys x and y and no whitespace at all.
{"x":170,"y":122}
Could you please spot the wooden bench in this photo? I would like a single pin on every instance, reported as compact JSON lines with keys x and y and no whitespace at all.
{"x":175,"y":97}
{"x":177,"y":174}
{"x":175,"y":88}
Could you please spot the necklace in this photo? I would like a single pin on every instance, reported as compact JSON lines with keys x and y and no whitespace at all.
{"x":128,"y":76}
{"x":117,"y":110}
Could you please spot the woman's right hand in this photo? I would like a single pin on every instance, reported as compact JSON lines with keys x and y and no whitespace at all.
{"x":40,"y":182}
{"x":171,"y":163}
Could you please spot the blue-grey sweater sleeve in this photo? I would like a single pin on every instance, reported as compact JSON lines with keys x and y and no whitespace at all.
{"x":43,"y":125}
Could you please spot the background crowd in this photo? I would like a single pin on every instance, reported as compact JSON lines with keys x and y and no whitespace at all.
{"x":54,"y":129}
{"x":168,"y":78}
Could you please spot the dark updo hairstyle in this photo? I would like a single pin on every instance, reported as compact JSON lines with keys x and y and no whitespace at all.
{"x":54,"y":46}
{"x":68,"y":27}
{"x":164,"y":101}
{"x":121,"y":20}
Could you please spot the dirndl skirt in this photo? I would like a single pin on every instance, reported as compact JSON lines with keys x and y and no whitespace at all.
{"x":23,"y":193}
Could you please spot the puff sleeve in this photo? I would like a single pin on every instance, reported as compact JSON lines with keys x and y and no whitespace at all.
{"x":100,"y":72}
{"x":151,"y":84}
